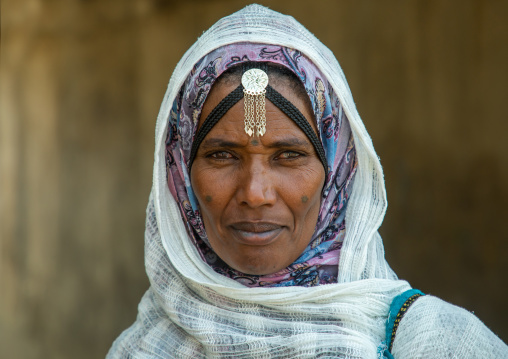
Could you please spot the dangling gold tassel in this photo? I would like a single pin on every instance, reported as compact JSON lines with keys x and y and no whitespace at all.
{"x":249,"y":113}
{"x":254,"y":84}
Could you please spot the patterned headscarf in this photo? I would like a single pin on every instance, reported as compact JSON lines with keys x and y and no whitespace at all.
{"x":318,"y":264}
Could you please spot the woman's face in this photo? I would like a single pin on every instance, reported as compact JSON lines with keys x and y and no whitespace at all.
{"x":259,"y":196}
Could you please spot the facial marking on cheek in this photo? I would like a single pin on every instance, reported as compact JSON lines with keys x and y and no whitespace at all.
{"x":304,"y":199}
{"x":208,"y":198}
{"x":254,"y":142}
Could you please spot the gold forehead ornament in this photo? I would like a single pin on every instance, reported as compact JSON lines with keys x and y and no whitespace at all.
{"x":254,"y":82}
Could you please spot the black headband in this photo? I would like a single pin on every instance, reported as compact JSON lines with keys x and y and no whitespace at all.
{"x":276,"y":98}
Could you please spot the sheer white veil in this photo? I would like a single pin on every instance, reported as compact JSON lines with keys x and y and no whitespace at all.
{"x":362,"y":254}
{"x":190,"y":311}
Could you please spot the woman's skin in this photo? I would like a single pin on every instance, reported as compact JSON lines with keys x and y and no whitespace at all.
{"x":259,"y":196}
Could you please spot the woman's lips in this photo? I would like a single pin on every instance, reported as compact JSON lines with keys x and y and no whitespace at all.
{"x":256,"y":233}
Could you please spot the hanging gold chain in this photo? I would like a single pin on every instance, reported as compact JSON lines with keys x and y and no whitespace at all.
{"x":249,"y":113}
{"x":260,"y":114}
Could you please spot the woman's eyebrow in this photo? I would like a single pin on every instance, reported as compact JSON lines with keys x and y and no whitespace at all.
{"x":290,"y":142}
{"x":219,"y":142}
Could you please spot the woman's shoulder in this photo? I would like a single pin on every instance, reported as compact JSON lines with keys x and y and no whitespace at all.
{"x":433,"y":328}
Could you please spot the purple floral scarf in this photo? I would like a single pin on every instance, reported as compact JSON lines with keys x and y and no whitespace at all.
{"x":318,"y":264}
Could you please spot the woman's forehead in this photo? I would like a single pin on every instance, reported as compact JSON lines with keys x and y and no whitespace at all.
{"x":222,"y":88}
{"x":281,"y":131}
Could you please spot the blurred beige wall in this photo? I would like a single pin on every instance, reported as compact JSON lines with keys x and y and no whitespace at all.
{"x":81,"y":84}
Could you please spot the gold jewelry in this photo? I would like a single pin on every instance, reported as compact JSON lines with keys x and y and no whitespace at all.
{"x":254,"y":84}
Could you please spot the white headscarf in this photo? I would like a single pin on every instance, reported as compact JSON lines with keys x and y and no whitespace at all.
{"x":190,"y":311}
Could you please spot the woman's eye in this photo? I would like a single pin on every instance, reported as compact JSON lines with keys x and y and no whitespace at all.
{"x":221,"y":155}
{"x":289,"y":155}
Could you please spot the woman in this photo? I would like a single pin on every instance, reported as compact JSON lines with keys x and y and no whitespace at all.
{"x":261,"y":233}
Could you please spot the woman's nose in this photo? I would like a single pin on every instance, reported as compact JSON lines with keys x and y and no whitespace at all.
{"x":256,"y":187}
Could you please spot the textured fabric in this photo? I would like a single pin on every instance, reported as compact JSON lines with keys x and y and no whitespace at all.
{"x":398,"y":309}
{"x":432,"y":328}
{"x":191,"y":311}
{"x":318,"y":264}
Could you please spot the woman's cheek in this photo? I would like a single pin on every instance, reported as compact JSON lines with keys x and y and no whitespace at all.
{"x":210,"y":187}
{"x":303,"y":185}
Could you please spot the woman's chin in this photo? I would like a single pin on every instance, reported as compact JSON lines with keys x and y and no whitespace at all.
{"x":256,"y":266}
